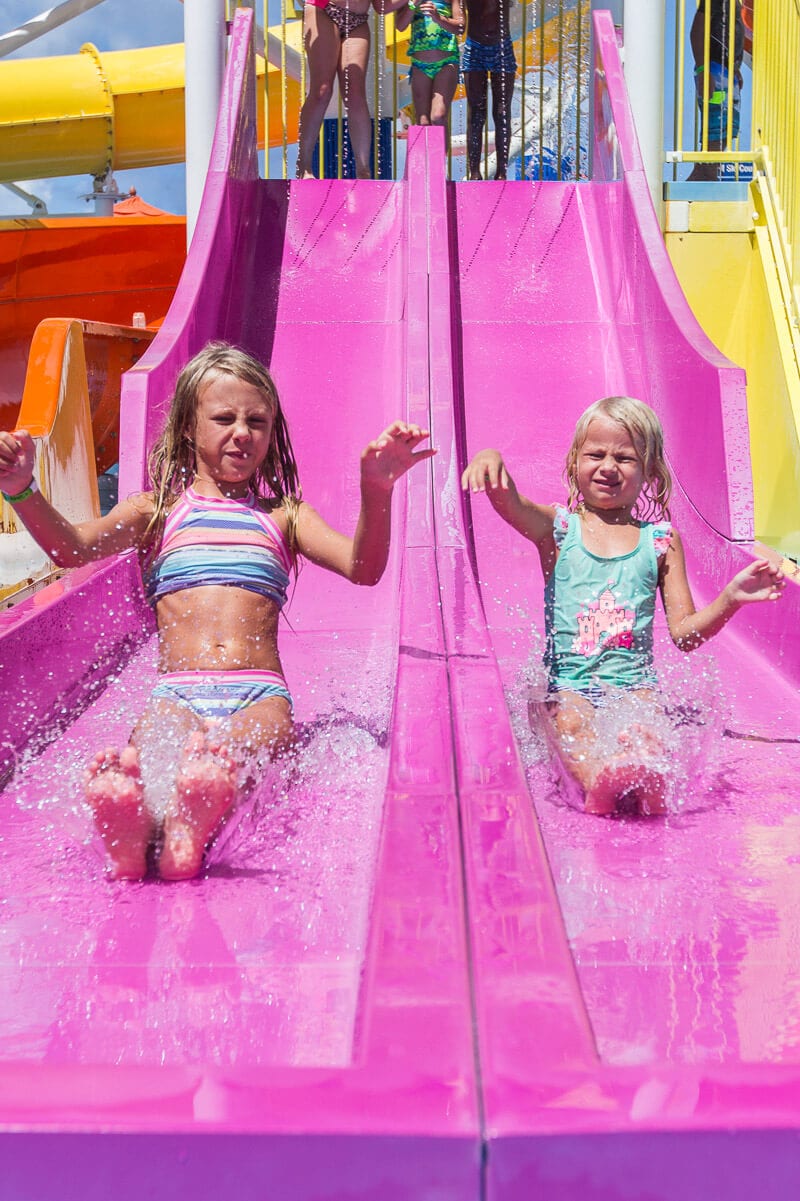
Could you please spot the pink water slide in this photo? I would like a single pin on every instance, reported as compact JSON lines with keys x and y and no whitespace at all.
{"x":419,"y":974}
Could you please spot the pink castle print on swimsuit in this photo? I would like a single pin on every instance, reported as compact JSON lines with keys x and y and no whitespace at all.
{"x":604,"y":623}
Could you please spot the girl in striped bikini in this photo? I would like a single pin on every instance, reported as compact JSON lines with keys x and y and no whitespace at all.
{"x":218,"y":535}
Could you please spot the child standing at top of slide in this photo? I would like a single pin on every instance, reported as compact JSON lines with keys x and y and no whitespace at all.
{"x":337,"y":43}
{"x":603,"y":558}
{"x":218,"y":536}
{"x":488,"y":53}
{"x":433,"y":51}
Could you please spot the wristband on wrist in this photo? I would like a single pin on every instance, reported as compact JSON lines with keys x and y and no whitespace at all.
{"x":24,"y":494}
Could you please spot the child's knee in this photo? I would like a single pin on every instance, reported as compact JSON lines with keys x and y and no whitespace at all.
{"x":570,"y":722}
{"x":321,"y":93}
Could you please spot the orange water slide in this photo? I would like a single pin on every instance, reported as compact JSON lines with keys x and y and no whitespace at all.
{"x":73,"y":295}
{"x":89,"y":269}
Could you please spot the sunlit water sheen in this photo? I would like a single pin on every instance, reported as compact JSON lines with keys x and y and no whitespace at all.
{"x":259,"y":962}
{"x":683,"y":717}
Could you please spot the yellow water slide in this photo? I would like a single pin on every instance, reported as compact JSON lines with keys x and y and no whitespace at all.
{"x":98,"y":111}
{"x":92,"y":112}
{"x":736,"y":251}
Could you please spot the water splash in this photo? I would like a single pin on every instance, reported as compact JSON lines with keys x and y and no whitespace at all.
{"x":679,"y":725}
{"x":259,"y":961}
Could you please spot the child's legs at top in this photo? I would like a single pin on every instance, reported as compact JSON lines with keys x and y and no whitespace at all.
{"x":353,"y":85}
{"x":717,"y":115}
{"x":476,"y":85}
{"x":323,"y":46}
{"x":422,"y":95}
{"x":502,"y":94}
{"x":445,"y":83}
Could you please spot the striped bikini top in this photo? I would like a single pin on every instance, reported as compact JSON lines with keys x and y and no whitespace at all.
{"x":211,"y":540}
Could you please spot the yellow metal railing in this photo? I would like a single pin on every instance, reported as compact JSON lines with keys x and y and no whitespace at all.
{"x":774,"y":45}
{"x":776,"y":130}
{"x":707,"y":85}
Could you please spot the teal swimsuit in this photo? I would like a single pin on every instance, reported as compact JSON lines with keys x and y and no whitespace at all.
{"x":599,"y":612}
{"x":427,"y":35}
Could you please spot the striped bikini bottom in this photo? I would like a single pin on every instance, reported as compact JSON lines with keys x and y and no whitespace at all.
{"x":220,"y":694}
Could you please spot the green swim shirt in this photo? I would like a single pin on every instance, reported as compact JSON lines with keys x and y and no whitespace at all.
{"x":599,"y":612}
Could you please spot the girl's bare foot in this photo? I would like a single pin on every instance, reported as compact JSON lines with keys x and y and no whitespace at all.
{"x":651,"y":794}
{"x":115,"y":794}
{"x":623,"y":777}
{"x":206,"y":790}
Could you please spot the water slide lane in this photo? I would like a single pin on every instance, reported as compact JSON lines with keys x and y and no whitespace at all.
{"x":682,"y":931}
{"x":315,"y":983}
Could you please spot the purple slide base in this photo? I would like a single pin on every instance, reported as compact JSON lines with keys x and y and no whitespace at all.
{"x":536,"y":1001}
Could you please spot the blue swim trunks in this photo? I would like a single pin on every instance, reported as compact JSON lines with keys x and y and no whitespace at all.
{"x":718,"y":101}
{"x":499,"y":58}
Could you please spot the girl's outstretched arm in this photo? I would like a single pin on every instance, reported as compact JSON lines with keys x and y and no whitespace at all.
{"x":488,"y":473}
{"x":362,"y":558}
{"x":67,"y":545}
{"x":759,"y":581}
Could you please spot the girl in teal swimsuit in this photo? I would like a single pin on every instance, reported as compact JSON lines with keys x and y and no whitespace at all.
{"x":219,"y":534}
{"x":604,"y":557}
{"x":433,"y":51}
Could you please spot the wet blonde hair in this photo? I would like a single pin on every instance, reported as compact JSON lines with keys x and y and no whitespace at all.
{"x":647,"y":436}
{"x":172,"y":463}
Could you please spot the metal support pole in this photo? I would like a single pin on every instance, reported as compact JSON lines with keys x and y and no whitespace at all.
{"x":204,"y":46}
{"x":36,"y":26}
{"x":643,"y":62}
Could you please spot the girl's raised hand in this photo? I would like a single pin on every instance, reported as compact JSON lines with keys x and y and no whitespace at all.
{"x":392,"y":454}
{"x":759,"y":581}
{"x":17,"y":455}
{"x":487,"y":469}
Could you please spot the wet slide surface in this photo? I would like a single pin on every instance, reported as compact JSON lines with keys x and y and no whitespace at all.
{"x":683,"y":930}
